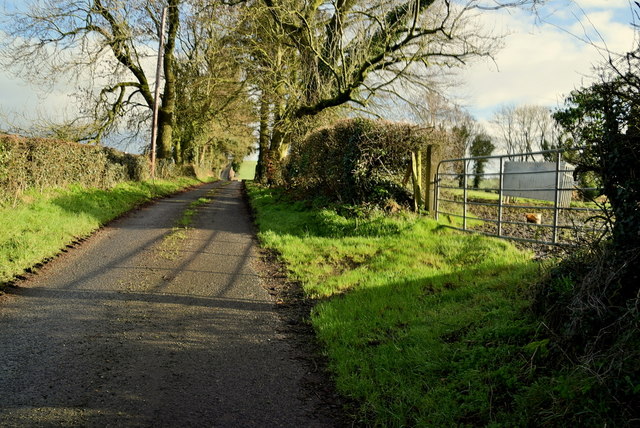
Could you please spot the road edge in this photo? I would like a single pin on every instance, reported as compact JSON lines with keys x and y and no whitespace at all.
{"x":293,"y":309}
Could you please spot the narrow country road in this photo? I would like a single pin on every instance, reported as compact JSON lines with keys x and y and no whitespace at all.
{"x":143,"y":326}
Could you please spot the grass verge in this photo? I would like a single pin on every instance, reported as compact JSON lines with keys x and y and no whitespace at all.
{"x":44,"y":223}
{"x":423,"y":326}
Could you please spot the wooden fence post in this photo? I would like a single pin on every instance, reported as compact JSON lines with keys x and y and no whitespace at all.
{"x":416,"y":178}
{"x":431,"y":164}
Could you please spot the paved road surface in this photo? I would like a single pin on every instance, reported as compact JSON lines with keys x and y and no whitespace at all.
{"x":136,"y":329}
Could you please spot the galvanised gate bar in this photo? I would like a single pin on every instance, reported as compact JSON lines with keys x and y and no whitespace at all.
{"x":535,"y":197}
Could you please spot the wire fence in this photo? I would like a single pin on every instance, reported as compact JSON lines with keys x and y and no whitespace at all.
{"x":535,"y":197}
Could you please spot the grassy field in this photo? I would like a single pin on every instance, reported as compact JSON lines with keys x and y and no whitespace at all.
{"x":422,"y":326}
{"x":43,"y":223}
{"x":491,"y":196}
{"x":247,"y":170}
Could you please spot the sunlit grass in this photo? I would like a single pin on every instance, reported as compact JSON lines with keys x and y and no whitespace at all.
{"x":247,"y":170}
{"x":43,"y":223}
{"x":423,"y":326}
{"x":491,"y":196}
{"x":187,"y":215}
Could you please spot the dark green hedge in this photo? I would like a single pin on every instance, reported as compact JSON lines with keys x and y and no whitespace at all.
{"x":357,"y":161}
{"x":34,"y":163}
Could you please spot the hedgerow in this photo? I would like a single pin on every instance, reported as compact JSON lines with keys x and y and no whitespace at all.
{"x":590,"y":301}
{"x":35,"y":163}
{"x":357,"y":161}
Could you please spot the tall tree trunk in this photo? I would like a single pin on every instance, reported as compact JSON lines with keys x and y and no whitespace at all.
{"x":166,"y":117}
{"x":278,"y":128}
{"x":278,"y":148}
{"x":164,"y":146}
{"x":274,"y":157}
{"x":179,"y":152}
{"x":263,"y":141}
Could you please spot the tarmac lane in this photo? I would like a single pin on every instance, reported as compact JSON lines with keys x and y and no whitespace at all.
{"x":146,"y":324}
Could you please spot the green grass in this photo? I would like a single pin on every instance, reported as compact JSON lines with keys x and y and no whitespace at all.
{"x":43,"y":223}
{"x":247,"y":170}
{"x":187,"y":215}
{"x":422,"y":325}
{"x":171,"y":243}
{"x":491,"y":196}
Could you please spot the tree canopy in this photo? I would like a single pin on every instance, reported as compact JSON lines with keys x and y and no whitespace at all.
{"x":110,"y":47}
{"x":605,"y":118}
{"x":290,"y":62}
{"x":314,"y":56}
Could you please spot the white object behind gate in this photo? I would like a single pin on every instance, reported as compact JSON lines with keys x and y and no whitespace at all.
{"x":537,"y":180}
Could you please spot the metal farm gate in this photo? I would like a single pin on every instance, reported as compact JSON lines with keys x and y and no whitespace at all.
{"x":532,"y":201}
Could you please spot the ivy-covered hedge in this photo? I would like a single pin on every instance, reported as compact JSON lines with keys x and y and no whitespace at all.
{"x":357,"y":161}
{"x":33,"y":163}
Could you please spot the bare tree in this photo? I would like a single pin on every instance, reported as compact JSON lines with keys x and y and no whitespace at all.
{"x":525,"y":129}
{"x":345,"y":51}
{"x":105,"y":41}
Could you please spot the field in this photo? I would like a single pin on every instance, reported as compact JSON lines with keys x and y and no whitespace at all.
{"x":577,"y":222}
{"x":247,"y":170}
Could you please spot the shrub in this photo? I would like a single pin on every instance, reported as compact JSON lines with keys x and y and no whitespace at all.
{"x":42,"y":163}
{"x":357,"y":161}
{"x":591,"y":300}
{"x":590,"y":304}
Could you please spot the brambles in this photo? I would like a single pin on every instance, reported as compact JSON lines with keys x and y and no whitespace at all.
{"x":590,"y":301}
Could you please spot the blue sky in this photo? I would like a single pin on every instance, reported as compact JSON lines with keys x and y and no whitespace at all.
{"x":546,"y":55}
{"x":544,"y":58}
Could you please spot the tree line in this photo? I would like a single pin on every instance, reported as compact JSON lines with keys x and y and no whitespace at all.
{"x":235,"y":68}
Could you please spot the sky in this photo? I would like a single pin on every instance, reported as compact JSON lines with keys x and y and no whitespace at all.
{"x":545,"y":56}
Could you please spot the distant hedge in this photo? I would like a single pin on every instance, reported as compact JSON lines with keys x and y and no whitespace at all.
{"x":357,"y":161}
{"x":34,"y":163}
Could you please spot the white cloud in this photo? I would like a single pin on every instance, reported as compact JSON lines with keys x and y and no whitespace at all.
{"x":601,"y":28}
{"x":21,"y":103}
{"x":540,"y":64}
